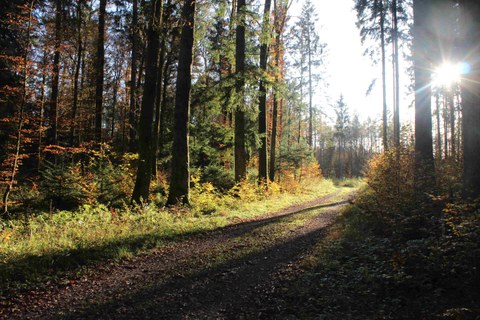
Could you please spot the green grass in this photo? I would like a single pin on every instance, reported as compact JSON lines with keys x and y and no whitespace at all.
{"x":48,"y":245}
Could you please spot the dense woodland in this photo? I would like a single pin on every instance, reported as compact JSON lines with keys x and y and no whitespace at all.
{"x":126,"y":103}
{"x":220,"y":87}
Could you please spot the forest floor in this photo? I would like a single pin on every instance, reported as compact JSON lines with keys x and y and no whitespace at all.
{"x":242,"y":271}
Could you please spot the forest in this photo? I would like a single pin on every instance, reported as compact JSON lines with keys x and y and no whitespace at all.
{"x":179,"y":159}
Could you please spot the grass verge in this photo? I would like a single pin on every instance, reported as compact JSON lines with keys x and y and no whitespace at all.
{"x":45,"y":246}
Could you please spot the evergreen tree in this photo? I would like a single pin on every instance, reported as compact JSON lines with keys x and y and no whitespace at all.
{"x":144,"y":171}
{"x":262,"y":115}
{"x":471,"y":98}
{"x":424,"y":166}
{"x":240,"y":148}
{"x":180,"y":174}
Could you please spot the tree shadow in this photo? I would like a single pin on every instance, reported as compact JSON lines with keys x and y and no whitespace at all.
{"x":229,"y":290}
{"x":36,"y":268}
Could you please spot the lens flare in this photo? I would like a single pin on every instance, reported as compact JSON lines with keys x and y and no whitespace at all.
{"x":448,"y":73}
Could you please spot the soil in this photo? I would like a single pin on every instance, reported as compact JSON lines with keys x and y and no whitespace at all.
{"x":236,"y":272}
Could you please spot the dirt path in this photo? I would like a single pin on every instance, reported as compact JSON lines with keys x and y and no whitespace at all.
{"x":230,"y":273}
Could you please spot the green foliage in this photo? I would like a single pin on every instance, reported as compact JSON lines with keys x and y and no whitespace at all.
{"x":64,"y":185}
{"x":95,"y":178}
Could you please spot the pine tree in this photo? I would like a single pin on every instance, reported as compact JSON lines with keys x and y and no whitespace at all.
{"x":144,"y":171}
{"x":180,"y":174}
{"x":471,"y":98}
{"x":424,"y":165}
{"x":262,"y":115}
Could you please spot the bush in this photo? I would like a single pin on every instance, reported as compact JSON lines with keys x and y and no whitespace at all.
{"x":221,"y":178}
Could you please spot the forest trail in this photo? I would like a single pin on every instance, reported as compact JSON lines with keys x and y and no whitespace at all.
{"x":231,"y":273}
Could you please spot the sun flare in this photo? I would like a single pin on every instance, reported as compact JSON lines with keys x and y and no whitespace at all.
{"x":447,"y":74}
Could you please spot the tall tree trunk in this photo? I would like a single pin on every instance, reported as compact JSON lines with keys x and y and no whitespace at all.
{"x":240,"y":152}
{"x":180,"y":175}
{"x":384,"y":77}
{"x":77,"y":74}
{"x":439,"y":132}
{"x":99,"y":72}
{"x":310,"y":92}
{"x":144,"y":171}
{"x":133,"y":79}
{"x":451,"y":104}
{"x":273,"y":140}
{"x":163,"y":108}
{"x":424,"y":165}
{"x":471,"y":100}
{"x":396,"y":78}
{"x":159,"y":96}
{"x":262,"y":112}
{"x":52,"y":135}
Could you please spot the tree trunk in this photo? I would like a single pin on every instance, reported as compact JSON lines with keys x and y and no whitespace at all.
{"x":144,"y":171}
{"x":396,"y":79}
{"x":439,"y":133}
{"x":77,"y":74}
{"x":133,"y":79}
{"x":52,"y":135}
{"x":159,"y":96}
{"x":384,"y":77}
{"x":273,"y":141}
{"x":471,"y":100}
{"x":451,"y":104}
{"x":310,"y":93}
{"x":262,"y":115}
{"x":180,"y":175}
{"x":240,"y":152}
{"x":100,"y":62}
{"x":424,"y":165}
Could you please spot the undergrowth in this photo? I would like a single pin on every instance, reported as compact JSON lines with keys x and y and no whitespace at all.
{"x":392,"y":258}
{"x":37,"y":247}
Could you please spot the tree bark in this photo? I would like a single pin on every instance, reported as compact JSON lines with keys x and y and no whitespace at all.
{"x":133,"y":79}
{"x":180,"y":175}
{"x":424,"y":165}
{"x":52,"y":134}
{"x":240,"y":152}
{"x":396,"y":79}
{"x":144,"y":171}
{"x":100,"y":62}
{"x":77,"y":74}
{"x":262,"y":114}
{"x":384,"y":77}
{"x":471,"y":99}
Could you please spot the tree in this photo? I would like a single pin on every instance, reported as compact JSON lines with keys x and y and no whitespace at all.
{"x":281,"y":9}
{"x":312,"y":49}
{"x":99,"y":71}
{"x":341,"y":129}
{"x":424,"y":165}
{"x":52,"y":137}
{"x":23,"y":69}
{"x":133,"y":77}
{"x":262,"y":114}
{"x":180,"y":174}
{"x":471,"y":98}
{"x":144,"y":171}
{"x":240,"y":151}
{"x":396,"y":78}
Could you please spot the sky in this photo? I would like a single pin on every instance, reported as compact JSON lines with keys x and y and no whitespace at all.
{"x":348,"y":71}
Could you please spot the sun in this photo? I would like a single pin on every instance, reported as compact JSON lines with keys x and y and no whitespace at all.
{"x":447,"y":74}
